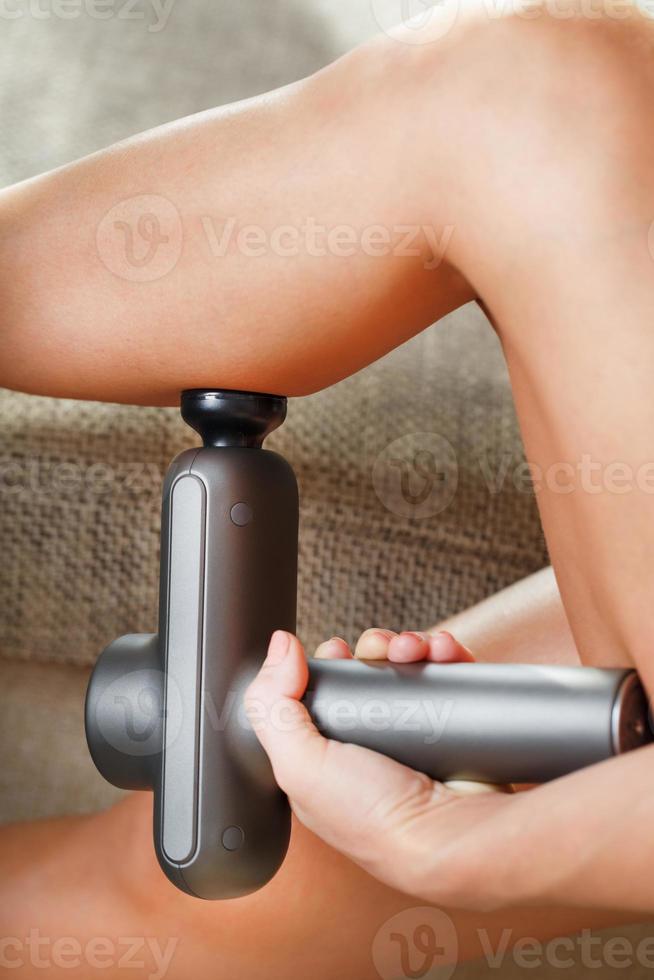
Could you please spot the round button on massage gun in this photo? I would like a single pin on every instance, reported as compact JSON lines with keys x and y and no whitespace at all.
{"x":164,"y":712}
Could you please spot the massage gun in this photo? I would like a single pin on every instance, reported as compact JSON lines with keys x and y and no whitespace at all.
{"x":164,"y":712}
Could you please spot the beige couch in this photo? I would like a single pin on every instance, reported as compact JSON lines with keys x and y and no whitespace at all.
{"x":80,"y":483}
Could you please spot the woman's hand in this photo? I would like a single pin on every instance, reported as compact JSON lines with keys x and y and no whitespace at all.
{"x":574,"y":841}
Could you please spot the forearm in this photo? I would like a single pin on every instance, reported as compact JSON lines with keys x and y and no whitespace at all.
{"x":524,"y":623}
{"x":588,"y":834}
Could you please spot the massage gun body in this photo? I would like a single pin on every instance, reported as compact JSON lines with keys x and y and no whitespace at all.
{"x":165,"y":712}
{"x":228,"y":580}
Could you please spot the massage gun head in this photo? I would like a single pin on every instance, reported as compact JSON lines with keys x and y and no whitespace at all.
{"x":232,"y":418}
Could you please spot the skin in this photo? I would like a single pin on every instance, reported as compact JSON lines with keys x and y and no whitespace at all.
{"x":63,"y":876}
{"x":547,"y":187}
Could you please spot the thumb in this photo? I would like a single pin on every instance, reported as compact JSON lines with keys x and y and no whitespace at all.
{"x":282,"y":724}
{"x":350,"y":796}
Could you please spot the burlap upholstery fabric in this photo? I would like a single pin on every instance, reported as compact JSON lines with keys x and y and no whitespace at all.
{"x":80,"y":487}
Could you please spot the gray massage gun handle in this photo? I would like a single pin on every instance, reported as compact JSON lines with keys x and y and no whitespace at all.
{"x":164,"y":712}
{"x":498,"y":723}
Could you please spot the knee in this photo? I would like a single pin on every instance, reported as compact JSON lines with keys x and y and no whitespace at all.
{"x":550,"y":115}
{"x":551,"y":81}
{"x":577,"y":72}
{"x":567,"y":86}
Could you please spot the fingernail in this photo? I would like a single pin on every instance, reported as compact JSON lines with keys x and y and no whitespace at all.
{"x":410,"y":638}
{"x":372,"y":645}
{"x":440,"y":637}
{"x":442,"y":647}
{"x":328,"y":647}
{"x":408,"y":643}
{"x":279,"y":646}
{"x":439,"y":641}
